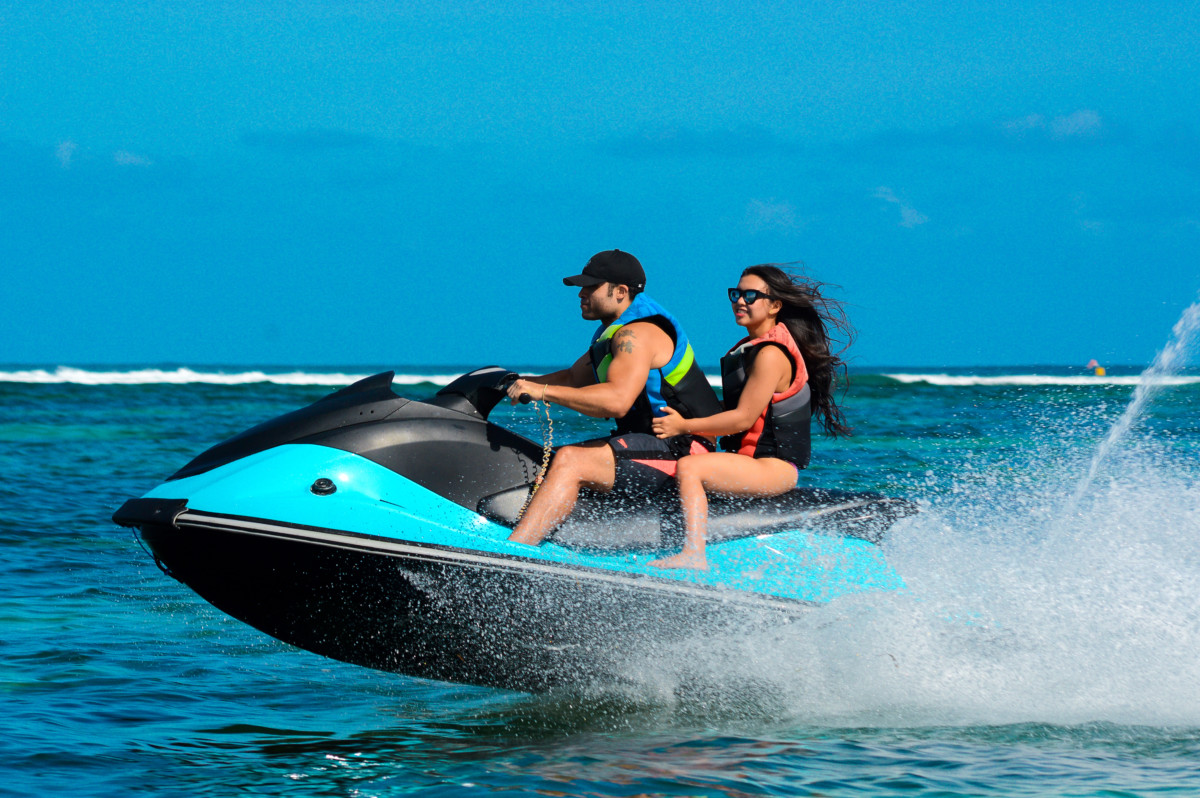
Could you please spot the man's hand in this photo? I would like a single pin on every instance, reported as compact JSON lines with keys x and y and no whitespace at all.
{"x":518,"y":387}
{"x":670,"y":425}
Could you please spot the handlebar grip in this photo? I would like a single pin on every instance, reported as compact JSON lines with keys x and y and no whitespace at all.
{"x":524,"y":398}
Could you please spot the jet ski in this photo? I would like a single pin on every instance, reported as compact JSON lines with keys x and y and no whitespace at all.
{"x":372,"y":529}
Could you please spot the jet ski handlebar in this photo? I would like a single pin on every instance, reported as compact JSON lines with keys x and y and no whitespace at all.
{"x":477,"y":392}
{"x":509,"y":379}
{"x":512,"y":377}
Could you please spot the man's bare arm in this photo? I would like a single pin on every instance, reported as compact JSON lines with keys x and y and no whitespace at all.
{"x":636,"y":348}
{"x":578,"y":375}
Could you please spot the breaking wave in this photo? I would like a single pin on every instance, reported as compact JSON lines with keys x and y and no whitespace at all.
{"x":1037,"y":380}
{"x":184,"y":376}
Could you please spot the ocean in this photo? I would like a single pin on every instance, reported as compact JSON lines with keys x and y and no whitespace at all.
{"x":1047,"y":644}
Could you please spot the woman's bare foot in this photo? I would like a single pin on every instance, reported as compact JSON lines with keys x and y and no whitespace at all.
{"x":684,"y":559}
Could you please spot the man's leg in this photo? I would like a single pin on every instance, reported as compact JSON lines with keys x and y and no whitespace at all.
{"x":586,"y":465}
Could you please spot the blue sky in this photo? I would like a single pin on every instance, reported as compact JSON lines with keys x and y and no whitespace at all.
{"x":393,"y":184}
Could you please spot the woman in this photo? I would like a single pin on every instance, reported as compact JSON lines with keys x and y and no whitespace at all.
{"x":774,"y":380}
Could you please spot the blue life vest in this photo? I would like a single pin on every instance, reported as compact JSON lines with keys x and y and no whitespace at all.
{"x":680,"y":384}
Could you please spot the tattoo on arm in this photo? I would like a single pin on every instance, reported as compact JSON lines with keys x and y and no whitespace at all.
{"x":623,"y":341}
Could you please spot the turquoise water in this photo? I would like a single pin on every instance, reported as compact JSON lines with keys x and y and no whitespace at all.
{"x":1049,"y":643}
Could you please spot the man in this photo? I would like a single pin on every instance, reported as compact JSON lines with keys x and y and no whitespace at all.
{"x":639,"y":361}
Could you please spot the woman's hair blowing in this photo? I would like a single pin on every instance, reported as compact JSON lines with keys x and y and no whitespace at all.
{"x":812,"y":318}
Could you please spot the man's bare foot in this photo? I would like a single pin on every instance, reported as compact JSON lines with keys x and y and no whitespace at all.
{"x":684,"y":559}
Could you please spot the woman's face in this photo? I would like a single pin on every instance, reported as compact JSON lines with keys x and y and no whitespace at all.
{"x":750,"y":314}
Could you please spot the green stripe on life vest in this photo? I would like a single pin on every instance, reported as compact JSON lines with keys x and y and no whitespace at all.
{"x":602,"y":369}
{"x":685,"y":363}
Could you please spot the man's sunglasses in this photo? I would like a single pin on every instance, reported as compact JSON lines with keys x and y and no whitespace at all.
{"x":751,"y":295}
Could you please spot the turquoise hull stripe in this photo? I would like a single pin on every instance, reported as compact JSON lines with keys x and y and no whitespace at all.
{"x":371,"y":500}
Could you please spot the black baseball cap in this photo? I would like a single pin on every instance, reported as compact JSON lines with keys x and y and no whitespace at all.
{"x":611,"y":266}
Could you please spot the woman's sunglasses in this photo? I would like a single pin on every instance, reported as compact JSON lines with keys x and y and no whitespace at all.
{"x":751,"y":295}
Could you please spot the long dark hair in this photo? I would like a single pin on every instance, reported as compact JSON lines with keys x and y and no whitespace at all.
{"x":816,"y":322}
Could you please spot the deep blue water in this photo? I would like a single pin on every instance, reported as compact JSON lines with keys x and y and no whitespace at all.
{"x":1049,"y":643}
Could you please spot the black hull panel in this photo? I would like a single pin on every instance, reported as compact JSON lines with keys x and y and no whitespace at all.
{"x":439,"y":613}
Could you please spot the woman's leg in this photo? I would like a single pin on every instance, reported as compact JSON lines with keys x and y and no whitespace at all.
{"x":689,"y":473}
{"x":726,"y":474}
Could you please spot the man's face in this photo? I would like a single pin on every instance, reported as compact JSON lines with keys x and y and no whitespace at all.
{"x":598,"y":302}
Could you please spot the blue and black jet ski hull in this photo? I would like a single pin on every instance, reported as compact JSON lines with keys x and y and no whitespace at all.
{"x":372,"y":529}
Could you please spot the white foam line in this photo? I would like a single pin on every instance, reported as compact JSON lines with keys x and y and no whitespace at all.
{"x":962,"y":381}
{"x":184,"y":376}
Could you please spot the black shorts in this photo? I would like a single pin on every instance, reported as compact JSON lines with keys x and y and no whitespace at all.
{"x":645,"y":464}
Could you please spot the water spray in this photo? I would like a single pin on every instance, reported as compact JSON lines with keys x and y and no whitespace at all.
{"x":547,"y":447}
{"x":1172,"y":358}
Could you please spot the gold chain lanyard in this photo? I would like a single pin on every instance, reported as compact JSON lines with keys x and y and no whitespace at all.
{"x":547,"y":431}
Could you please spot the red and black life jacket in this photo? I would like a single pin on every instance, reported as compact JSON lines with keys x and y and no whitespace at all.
{"x":783,"y":429}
